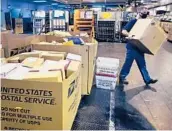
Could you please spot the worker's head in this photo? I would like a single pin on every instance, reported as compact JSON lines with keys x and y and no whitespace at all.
{"x":143,"y":13}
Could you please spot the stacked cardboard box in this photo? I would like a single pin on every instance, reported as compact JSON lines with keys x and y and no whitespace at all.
{"x":39,"y":94}
{"x":107,"y":70}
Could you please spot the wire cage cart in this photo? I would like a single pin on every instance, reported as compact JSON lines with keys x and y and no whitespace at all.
{"x":60,"y":20}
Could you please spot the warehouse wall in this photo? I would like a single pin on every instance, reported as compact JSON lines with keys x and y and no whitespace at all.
{"x":7,"y":5}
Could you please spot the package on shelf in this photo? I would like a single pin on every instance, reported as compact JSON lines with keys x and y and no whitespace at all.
{"x":104,"y":82}
{"x":107,"y":66}
{"x":32,"y":62}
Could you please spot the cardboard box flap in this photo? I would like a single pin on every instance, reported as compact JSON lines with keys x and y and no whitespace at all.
{"x":49,"y":76}
{"x":32,"y":62}
{"x":52,"y":56}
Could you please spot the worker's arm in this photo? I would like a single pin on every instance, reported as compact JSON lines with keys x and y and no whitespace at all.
{"x":125,"y":33}
{"x":128,"y":27}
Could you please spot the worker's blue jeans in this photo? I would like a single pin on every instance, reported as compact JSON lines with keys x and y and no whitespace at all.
{"x":131,"y":55}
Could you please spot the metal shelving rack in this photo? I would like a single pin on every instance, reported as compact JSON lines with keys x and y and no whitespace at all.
{"x":60,"y":20}
{"x":105,"y":31}
{"x":119,"y":20}
{"x":38,"y":22}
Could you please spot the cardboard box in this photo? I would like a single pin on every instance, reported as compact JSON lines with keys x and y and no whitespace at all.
{"x":52,"y":56}
{"x":14,"y":59}
{"x":20,"y":57}
{"x":32,"y":62}
{"x":73,"y":57}
{"x":87,"y":52}
{"x":11,"y":41}
{"x":107,"y":66}
{"x":49,"y":65}
{"x":38,"y":105}
{"x":107,"y":83}
{"x":51,"y":52}
{"x":72,"y":67}
{"x":49,"y":76}
{"x":29,"y":54}
{"x":147,"y":36}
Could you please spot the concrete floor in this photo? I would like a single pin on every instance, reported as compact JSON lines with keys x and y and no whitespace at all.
{"x":136,"y":107}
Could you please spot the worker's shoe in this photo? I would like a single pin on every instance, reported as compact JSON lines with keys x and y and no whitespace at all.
{"x":123,"y":82}
{"x":152,"y":82}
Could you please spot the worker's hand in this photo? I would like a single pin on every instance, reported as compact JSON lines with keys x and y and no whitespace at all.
{"x":125,"y":33}
{"x":130,"y":37}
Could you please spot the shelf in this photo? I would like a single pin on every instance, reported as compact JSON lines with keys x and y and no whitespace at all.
{"x":84,"y":26}
{"x":81,"y":19}
{"x":83,"y":22}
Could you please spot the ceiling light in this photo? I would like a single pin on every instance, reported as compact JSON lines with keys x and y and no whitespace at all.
{"x":54,"y":4}
{"x":40,"y":1}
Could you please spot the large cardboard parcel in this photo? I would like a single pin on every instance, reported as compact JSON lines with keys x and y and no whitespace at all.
{"x":40,"y":105}
{"x":11,"y":41}
{"x":87,"y":51}
{"x":147,"y":36}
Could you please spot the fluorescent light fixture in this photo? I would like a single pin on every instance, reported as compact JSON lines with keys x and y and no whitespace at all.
{"x":54,"y":4}
{"x":40,"y":1}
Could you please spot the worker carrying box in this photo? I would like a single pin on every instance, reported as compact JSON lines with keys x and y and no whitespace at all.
{"x":144,"y":36}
